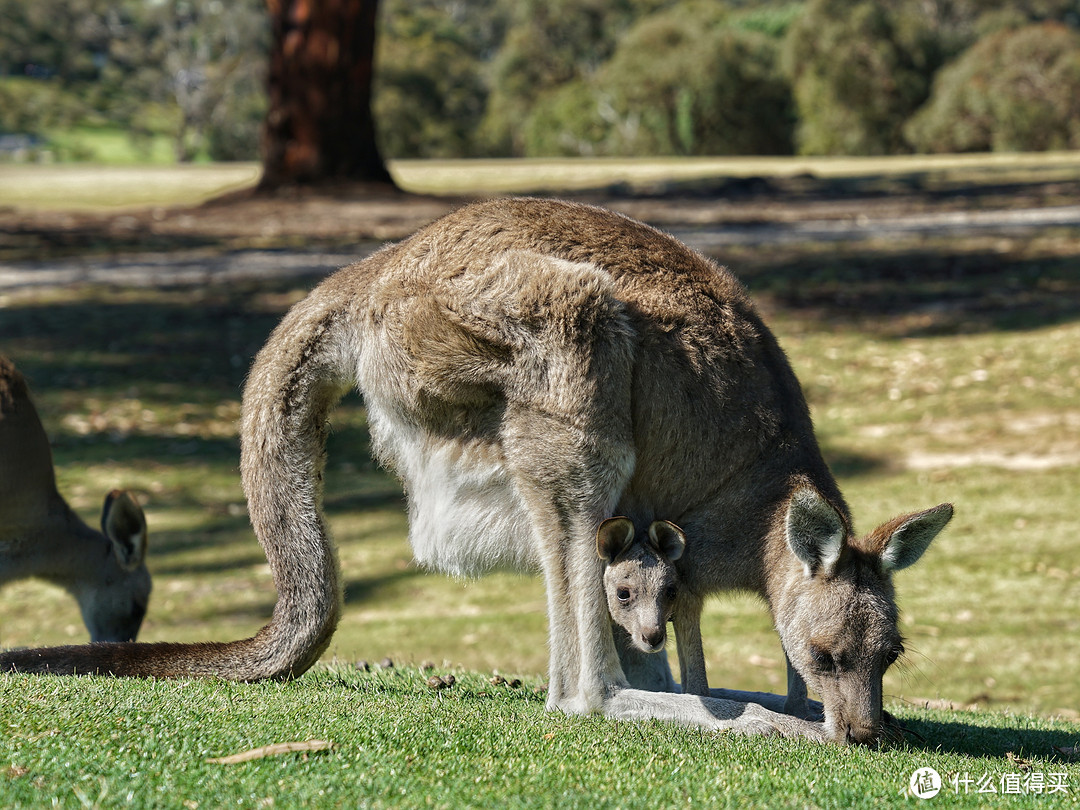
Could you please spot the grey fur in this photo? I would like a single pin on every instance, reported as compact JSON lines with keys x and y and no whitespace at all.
{"x":530,"y":368}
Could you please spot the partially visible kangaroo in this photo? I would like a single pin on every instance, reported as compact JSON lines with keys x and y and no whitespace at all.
{"x":641,"y":584}
{"x":40,"y":536}
{"x":530,"y":368}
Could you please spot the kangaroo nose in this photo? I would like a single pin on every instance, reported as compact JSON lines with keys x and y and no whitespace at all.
{"x":655,"y":639}
{"x":861,"y":735}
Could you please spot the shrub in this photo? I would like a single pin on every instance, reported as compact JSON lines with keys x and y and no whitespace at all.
{"x":429,"y":96}
{"x":701,"y":90}
{"x":1016,"y":90}
{"x":859,"y":70}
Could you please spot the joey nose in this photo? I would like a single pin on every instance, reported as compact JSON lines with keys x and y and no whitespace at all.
{"x":654,"y":639}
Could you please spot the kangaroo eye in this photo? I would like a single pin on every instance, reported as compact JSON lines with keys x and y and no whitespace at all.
{"x":623,"y":594}
{"x":823,"y":662}
{"x":894,"y":653}
{"x":671,"y":593}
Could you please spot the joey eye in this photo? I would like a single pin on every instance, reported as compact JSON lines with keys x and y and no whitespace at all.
{"x":670,"y":593}
{"x":623,"y":594}
{"x":894,"y":653}
{"x":823,"y":662}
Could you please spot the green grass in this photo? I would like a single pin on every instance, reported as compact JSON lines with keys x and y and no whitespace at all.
{"x":397,"y":743}
{"x":113,"y":147}
{"x":78,"y":187}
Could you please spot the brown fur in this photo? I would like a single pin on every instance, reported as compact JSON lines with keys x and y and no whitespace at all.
{"x":531,"y":368}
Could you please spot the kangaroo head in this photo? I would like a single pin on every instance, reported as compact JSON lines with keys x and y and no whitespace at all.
{"x":114,"y":605}
{"x":837,"y":614}
{"x":640,"y":581}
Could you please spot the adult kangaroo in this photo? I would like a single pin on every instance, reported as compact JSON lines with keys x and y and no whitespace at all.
{"x":530,"y":368}
{"x":40,"y":535}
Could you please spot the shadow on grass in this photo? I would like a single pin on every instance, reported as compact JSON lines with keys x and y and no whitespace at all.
{"x":846,"y":464}
{"x":190,"y":344}
{"x":367,"y":589}
{"x":990,"y":742}
{"x":922,"y":184}
{"x":27,"y":241}
{"x":921,"y":292}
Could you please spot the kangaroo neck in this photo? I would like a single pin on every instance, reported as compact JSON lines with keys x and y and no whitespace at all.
{"x":69,"y":549}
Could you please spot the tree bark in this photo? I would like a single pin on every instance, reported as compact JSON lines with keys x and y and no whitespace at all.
{"x":319,"y":129}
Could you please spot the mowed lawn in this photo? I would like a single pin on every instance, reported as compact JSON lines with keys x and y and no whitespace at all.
{"x":936,"y":372}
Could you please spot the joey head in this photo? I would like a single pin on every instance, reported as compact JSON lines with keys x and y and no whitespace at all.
{"x":640,"y":580}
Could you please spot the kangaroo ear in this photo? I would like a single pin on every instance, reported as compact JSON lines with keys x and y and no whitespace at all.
{"x":668,"y":539}
{"x":123,"y":522}
{"x":904,"y":539}
{"x":613,"y":537}
{"x":815,"y":531}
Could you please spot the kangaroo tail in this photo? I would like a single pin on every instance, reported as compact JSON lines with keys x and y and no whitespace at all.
{"x":300,"y":374}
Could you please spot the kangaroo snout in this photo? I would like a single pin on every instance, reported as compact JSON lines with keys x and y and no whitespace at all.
{"x":653,"y":640}
{"x":862,"y":733}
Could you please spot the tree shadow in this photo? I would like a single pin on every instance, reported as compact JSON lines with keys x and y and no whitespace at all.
{"x":367,"y":589}
{"x":929,"y":185}
{"x":922,"y":292}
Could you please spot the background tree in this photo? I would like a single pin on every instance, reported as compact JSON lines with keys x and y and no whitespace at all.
{"x":50,"y":48}
{"x":319,"y":127}
{"x":859,"y":70}
{"x":193,"y":70}
{"x":710,"y":84}
{"x":196,"y":68}
{"x":549,"y":44}
{"x":430,"y":86}
{"x":1015,"y":90}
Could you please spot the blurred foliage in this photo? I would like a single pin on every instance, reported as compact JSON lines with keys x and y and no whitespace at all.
{"x":859,"y":70}
{"x":689,"y":99}
{"x":192,"y":69}
{"x":1015,"y":90}
{"x":549,"y":44}
{"x":572,"y":77}
{"x":429,"y":93}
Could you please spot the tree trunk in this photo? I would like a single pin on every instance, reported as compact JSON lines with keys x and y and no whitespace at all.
{"x":319,"y":129}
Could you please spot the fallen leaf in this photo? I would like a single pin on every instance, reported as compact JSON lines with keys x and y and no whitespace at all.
{"x":273,"y":750}
{"x":1023,"y":764}
{"x":1066,"y":751}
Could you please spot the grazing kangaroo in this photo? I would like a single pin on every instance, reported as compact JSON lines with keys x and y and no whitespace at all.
{"x":530,"y":368}
{"x":40,"y":536}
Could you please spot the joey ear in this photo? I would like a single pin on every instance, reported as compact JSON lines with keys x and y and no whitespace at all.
{"x":905,"y":544}
{"x":668,"y":539}
{"x":814,"y":531}
{"x":123,"y":522}
{"x":613,"y":537}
